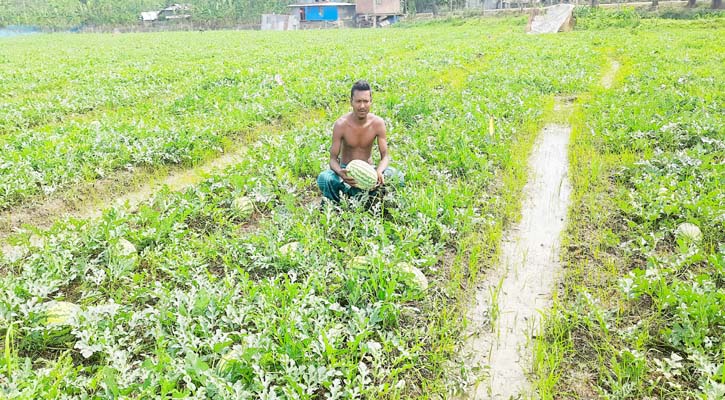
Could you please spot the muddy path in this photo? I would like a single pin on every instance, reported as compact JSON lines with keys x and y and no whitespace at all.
{"x":506,"y":312}
{"x":505,"y":316}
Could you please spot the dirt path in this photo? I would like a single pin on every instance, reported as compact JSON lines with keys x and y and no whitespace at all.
{"x":608,"y":78}
{"x":523,"y":283}
{"x":102,"y":195}
{"x":505,"y":316}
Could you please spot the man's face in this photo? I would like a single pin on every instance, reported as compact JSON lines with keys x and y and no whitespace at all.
{"x":360,"y":101}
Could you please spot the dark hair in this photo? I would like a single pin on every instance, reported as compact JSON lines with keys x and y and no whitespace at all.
{"x":360,"y":86}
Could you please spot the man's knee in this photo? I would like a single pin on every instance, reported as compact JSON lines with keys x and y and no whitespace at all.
{"x":326,"y":178}
{"x":329,"y":184}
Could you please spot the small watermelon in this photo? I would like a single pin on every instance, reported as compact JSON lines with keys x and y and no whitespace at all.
{"x":289,"y":249}
{"x":360,"y":263}
{"x":229,"y":359}
{"x":364,"y":174}
{"x":416,"y":278}
{"x":126,"y":248}
{"x":244,"y":207}
{"x":689,"y":231}
{"x":61,"y":313}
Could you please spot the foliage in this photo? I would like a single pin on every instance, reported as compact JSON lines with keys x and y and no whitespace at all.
{"x":592,"y":18}
{"x":598,"y":18}
{"x":66,"y":14}
{"x":208,"y":304}
{"x":644,"y":302}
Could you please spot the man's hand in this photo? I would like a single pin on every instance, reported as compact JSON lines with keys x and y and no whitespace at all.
{"x":347,"y":178}
{"x":381,"y":179}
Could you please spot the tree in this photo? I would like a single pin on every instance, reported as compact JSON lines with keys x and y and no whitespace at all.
{"x":716,"y":4}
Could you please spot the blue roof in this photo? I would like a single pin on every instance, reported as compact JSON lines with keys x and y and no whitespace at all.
{"x":326,"y":3}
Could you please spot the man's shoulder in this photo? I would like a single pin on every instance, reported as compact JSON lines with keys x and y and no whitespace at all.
{"x":376,"y":120}
{"x":343,"y":120}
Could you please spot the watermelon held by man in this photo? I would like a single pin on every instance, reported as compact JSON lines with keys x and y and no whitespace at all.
{"x":365,"y":175}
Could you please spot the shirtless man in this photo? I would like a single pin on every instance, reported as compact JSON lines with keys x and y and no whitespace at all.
{"x":352,"y":139}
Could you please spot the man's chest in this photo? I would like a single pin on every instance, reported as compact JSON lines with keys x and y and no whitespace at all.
{"x":358,"y":137}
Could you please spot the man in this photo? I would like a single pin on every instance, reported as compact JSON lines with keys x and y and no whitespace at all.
{"x":352,"y":139}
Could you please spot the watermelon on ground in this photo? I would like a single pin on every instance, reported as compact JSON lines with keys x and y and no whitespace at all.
{"x":415,"y":277}
{"x":243,"y":206}
{"x":61,"y":313}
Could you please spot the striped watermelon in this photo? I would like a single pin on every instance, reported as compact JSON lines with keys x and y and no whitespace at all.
{"x":61,"y":313}
{"x":360,"y":263}
{"x":290,"y":249}
{"x":364,"y":174}
{"x":415,"y":277}
{"x":244,"y":207}
{"x":689,"y":231}
{"x":230,"y":358}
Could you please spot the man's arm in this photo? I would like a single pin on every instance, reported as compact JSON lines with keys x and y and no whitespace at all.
{"x":383,"y":147}
{"x":337,"y":131}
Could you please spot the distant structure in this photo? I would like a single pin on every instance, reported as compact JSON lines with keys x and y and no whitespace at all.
{"x":378,"y":12}
{"x":484,"y":4}
{"x":557,"y":18}
{"x":315,"y":14}
{"x":280,"y":22}
{"x":324,"y":14}
{"x":172,"y":12}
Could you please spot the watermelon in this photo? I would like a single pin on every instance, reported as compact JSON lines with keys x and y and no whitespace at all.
{"x":229,"y":359}
{"x":37,"y":241}
{"x":360,"y":263}
{"x":61,"y":313}
{"x":415,"y":277}
{"x":364,"y":174}
{"x":126,"y":248}
{"x":244,"y":207}
{"x":290,"y":249}
{"x":689,"y":231}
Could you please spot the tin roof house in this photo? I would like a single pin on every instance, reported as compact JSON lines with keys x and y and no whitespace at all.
{"x":323,"y":14}
{"x":378,"y":12}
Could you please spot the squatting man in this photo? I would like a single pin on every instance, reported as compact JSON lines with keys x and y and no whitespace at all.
{"x":353,"y":136}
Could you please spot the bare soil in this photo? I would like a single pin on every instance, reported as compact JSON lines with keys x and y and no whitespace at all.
{"x":89,"y":200}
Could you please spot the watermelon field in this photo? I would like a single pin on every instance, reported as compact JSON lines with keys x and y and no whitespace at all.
{"x":242,"y":286}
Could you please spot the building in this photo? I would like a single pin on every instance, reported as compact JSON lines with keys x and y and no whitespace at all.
{"x":321,"y":14}
{"x":172,"y":12}
{"x":378,"y":12}
{"x":279,"y":22}
{"x":379,"y":7}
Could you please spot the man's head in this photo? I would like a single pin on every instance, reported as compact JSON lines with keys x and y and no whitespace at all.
{"x":360,"y":99}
